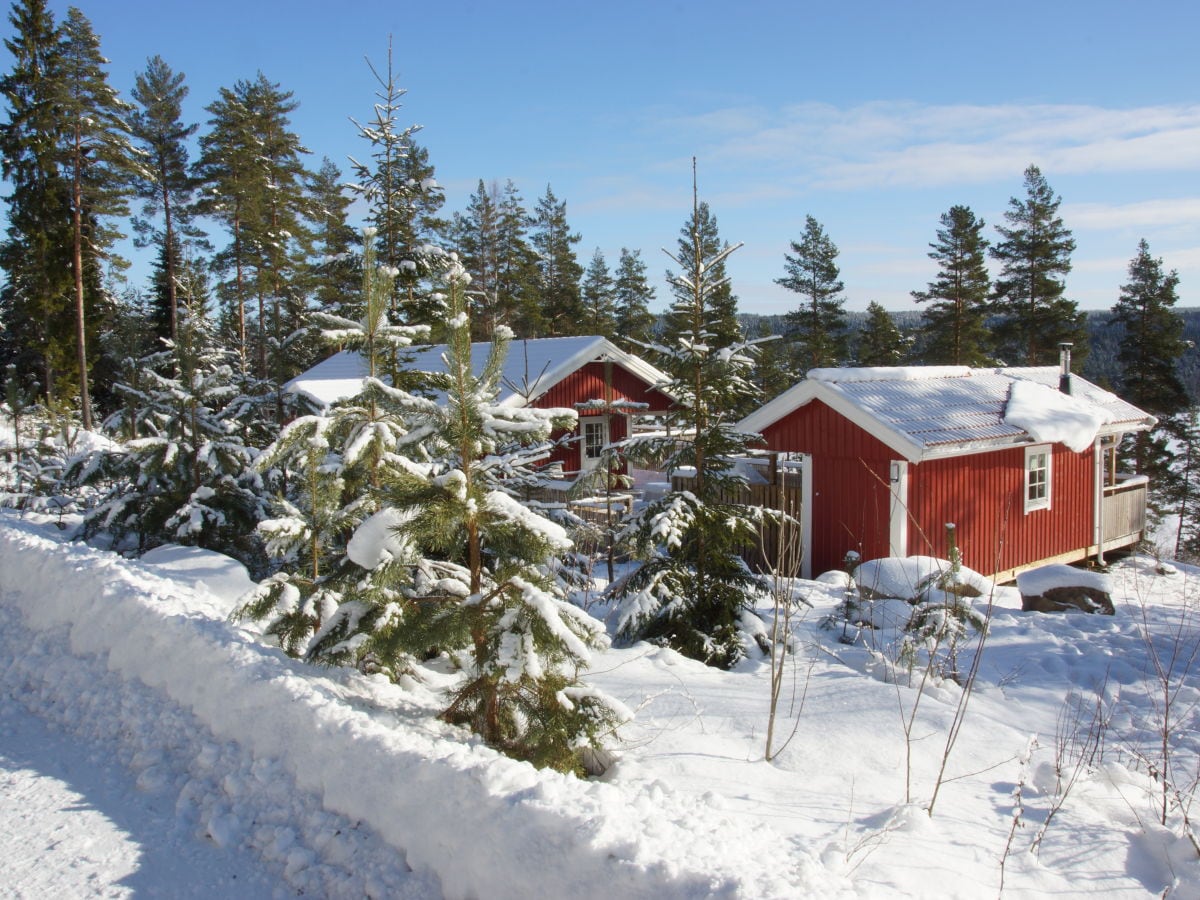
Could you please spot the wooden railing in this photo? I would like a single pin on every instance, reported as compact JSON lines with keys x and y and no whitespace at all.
{"x":1123,"y":512}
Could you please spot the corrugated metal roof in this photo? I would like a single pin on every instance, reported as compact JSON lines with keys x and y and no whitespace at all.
{"x":963,"y":408}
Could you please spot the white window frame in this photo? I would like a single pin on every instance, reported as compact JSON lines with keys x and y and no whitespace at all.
{"x":1038,"y":459}
{"x":587,"y":461}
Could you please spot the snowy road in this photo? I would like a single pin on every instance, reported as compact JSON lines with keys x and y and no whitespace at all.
{"x":74,"y":824}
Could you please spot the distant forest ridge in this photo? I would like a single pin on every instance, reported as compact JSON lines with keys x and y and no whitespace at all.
{"x":1099,"y":364}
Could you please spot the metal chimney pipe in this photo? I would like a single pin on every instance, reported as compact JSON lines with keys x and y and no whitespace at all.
{"x":1064,"y":372}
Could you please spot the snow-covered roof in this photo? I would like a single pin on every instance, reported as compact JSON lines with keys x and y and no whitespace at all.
{"x":531,"y":368}
{"x":924,"y":411}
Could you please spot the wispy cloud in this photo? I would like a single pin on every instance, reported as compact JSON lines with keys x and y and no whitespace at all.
{"x":907,"y":144}
{"x":1106,"y":216}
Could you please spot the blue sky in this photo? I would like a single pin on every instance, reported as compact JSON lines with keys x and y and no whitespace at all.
{"x":874,"y":117}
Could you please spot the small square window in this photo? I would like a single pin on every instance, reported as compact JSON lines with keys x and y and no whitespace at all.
{"x":1037,"y":478}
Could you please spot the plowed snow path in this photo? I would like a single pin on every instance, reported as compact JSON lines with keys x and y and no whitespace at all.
{"x":73,"y":824}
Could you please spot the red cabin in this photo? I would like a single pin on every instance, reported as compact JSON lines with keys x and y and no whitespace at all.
{"x":1020,"y":460}
{"x":604,"y":384}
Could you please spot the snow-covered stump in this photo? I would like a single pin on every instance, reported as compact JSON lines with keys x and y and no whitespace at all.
{"x":1061,"y":588}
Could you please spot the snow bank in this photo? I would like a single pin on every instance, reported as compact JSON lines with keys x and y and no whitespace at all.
{"x":286,"y":737}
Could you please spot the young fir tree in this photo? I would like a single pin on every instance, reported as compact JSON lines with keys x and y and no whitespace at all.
{"x":692,"y":591}
{"x":954,"y":321}
{"x":397,"y":183}
{"x":880,"y":342}
{"x":599,"y":299}
{"x":188,"y":479}
{"x":36,"y":321}
{"x":818,"y":328}
{"x":632,"y":294}
{"x":722,"y":304}
{"x":559,"y":271}
{"x":1035,"y":258}
{"x":165,"y":185}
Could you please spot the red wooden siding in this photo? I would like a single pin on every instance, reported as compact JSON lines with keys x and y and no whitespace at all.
{"x":588,"y":383}
{"x":850,"y":470}
{"x":982,"y":494}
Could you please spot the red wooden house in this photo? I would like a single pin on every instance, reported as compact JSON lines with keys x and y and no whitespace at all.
{"x":604,"y":384}
{"x":1020,"y":460}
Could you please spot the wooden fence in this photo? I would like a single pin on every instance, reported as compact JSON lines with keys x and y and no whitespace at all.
{"x":777,"y":549}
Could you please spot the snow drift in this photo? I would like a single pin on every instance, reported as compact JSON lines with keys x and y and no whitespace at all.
{"x":478,"y":821}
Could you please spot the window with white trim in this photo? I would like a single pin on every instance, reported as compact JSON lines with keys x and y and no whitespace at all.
{"x":1037,"y":478}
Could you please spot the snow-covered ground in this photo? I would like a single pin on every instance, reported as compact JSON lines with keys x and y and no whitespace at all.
{"x":197,"y":760}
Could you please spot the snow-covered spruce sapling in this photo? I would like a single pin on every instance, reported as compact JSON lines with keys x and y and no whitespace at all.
{"x":692,"y":588}
{"x":484,"y":583}
{"x":189,"y":479}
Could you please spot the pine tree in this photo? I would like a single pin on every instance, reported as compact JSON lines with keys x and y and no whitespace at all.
{"x":599,"y":300}
{"x":954,"y":322}
{"x":633,"y":293}
{"x":722,"y":305}
{"x":559,"y":271}
{"x":338,"y":464}
{"x":35,"y":303}
{"x":487,"y":565}
{"x":1035,"y":256}
{"x":166,"y":186}
{"x":231,"y":193}
{"x":692,"y":591}
{"x":880,"y":342}
{"x":818,"y":328}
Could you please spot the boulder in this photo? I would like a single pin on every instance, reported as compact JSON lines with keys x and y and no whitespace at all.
{"x":1060,"y":588}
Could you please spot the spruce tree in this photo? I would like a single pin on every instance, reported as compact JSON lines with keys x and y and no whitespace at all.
{"x":599,"y":300}
{"x":692,"y":591}
{"x":1035,"y":258}
{"x":722,"y":304}
{"x":187,"y":479}
{"x":954,"y":323}
{"x":165,"y":185}
{"x":880,"y":342}
{"x":559,"y":271}
{"x":335,"y":273}
{"x":1151,"y":344}
{"x":632,"y":296}
{"x":773,"y":373}
{"x":491,"y":239}
{"x":817,"y":329}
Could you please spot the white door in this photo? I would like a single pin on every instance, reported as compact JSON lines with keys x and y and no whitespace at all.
{"x":593,"y":432}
